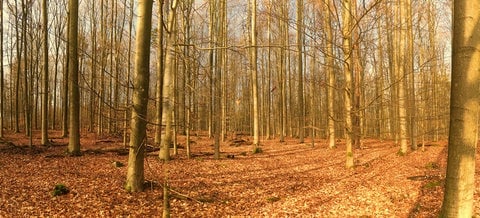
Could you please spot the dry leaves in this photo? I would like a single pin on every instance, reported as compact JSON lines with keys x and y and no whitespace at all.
{"x":287,"y":179}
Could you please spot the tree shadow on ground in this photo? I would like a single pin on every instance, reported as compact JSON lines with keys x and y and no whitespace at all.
{"x":429,"y":201}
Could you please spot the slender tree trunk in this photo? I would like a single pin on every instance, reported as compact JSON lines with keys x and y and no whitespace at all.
{"x":269,"y":73}
{"x":74,"y":106}
{"x":66,"y":84}
{"x":168,"y":85}
{"x":26,"y":95}
{"x":464,"y":111}
{"x":283,"y":70}
{"x":17,"y":77}
{"x":400,"y":63}
{"x":330,"y":62}
{"x":301,"y":101}
{"x":410,"y":71}
{"x":129,"y":67}
{"x":160,"y":75}
{"x":253,"y":64}
{"x":45,"y":73}
{"x":91,"y":117}
{"x":2,"y":87}
{"x":135,"y":170}
{"x":347,"y":70}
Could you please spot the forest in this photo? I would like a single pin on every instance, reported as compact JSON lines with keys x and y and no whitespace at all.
{"x":216,"y":108}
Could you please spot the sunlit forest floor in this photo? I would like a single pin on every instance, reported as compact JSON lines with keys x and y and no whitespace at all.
{"x":286,"y":179}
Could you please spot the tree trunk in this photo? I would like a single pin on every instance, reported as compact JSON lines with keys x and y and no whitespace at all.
{"x":45,"y":74}
{"x":168,"y":85}
{"x":412,"y":127}
{"x":2,"y":95}
{"x":330,"y":62}
{"x":253,"y":65}
{"x":464,"y":111}
{"x":301,"y":102}
{"x":127,"y":87}
{"x":66,"y":82}
{"x":26,"y":92}
{"x":74,"y":106}
{"x":135,"y":169}
{"x":347,"y":70}
{"x":400,"y":72}
{"x":160,"y":75}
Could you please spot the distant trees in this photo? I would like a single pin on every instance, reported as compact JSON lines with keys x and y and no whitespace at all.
{"x":342,"y":69}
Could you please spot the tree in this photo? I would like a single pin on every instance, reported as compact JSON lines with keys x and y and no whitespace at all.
{"x":254,"y":73}
{"x":347,"y":71}
{"x":74,"y":103}
{"x":45,"y":73}
{"x":400,"y":61}
{"x":464,"y":111}
{"x":168,"y":85}
{"x":160,"y":74}
{"x":301,"y":110}
{"x":135,"y":170}
{"x":129,"y":57}
{"x":2,"y":95}
{"x":330,"y":62}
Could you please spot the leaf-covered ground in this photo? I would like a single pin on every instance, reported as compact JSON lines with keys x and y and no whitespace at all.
{"x":286,"y":179}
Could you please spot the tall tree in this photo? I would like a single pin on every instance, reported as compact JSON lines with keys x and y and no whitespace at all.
{"x":93,"y":26}
{"x":168,"y":84}
{"x":400,"y":61}
{"x":330,"y":62}
{"x":45,"y":73}
{"x":135,"y":170}
{"x":2,"y":94}
{"x":464,"y":110}
{"x":412,"y":126}
{"x":160,"y":71}
{"x":74,"y":103}
{"x":301,"y":110}
{"x":254,"y":73}
{"x":127,"y":87}
{"x":347,"y":71}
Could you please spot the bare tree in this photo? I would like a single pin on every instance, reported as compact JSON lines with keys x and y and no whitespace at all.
{"x":254,"y":73}
{"x":2,"y":86}
{"x":74,"y":106}
{"x":45,"y":73}
{"x":464,"y":111}
{"x":168,"y":84}
{"x":135,"y":170}
{"x":347,"y":71}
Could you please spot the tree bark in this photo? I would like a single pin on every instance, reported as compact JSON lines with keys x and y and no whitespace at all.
{"x":253,"y":65}
{"x":464,"y":111}
{"x":168,"y":85}
{"x":301,"y":100}
{"x":160,"y":75}
{"x":74,"y":106}
{"x":45,"y":73}
{"x":135,"y":169}
{"x":330,"y":62}
{"x":2,"y":87}
{"x":347,"y":70}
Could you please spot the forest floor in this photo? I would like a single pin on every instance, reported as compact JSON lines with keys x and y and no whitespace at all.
{"x":285,"y":180}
